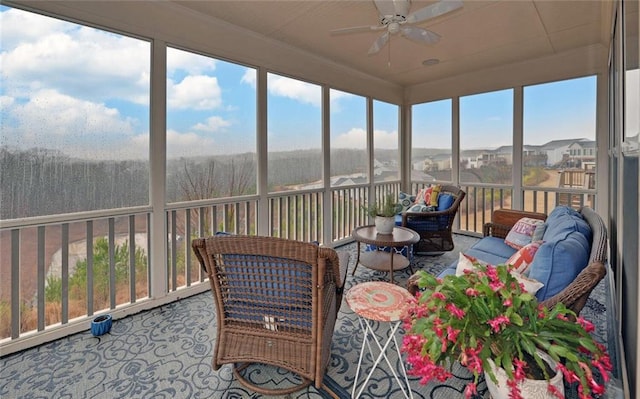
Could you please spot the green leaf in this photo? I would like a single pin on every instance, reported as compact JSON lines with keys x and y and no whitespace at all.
{"x":516,"y":319}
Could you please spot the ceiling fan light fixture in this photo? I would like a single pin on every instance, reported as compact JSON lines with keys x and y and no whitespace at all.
{"x":431,"y":62}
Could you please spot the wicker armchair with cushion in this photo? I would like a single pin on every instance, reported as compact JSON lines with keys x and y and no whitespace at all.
{"x":277,"y":302}
{"x":434,"y":227}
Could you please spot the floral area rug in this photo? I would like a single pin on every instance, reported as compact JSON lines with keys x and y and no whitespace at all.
{"x":166,"y":353}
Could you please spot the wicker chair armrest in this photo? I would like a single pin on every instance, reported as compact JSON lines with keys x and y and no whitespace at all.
{"x":495,"y":230}
{"x":338,"y":263}
{"x":426,"y":215}
{"x":198,"y":245}
{"x":575,"y":295}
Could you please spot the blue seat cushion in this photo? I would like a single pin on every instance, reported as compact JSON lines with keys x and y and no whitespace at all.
{"x":492,"y":250}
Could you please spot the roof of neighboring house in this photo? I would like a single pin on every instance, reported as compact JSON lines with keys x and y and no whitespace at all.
{"x":584,"y":144}
{"x":555,"y":144}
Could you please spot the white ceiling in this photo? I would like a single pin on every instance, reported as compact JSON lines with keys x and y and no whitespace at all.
{"x":482,"y":34}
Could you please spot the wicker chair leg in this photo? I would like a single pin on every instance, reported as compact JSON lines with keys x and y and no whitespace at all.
{"x":237,"y":369}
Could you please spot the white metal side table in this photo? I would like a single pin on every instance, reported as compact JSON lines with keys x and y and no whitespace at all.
{"x":382,"y":302}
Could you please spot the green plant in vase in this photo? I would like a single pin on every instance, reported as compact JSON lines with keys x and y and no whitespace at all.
{"x":384,"y":214}
{"x":388,"y":207}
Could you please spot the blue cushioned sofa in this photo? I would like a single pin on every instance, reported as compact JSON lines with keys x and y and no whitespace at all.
{"x":570,"y":262}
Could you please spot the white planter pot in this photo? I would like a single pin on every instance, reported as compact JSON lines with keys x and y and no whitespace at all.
{"x":530,"y":389}
{"x":385,"y":225}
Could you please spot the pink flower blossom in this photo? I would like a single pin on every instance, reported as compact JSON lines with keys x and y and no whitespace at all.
{"x":497,"y":322}
{"x":496,"y":285}
{"x":514,"y":390}
{"x":586,"y":324}
{"x":452,"y":334}
{"x":554,"y":391}
{"x":471,"y":360}
{"x":457,"y":312}
{"x":472,"y":292}
{"x":519,"y":366}
{"x":569,"y":376}
{"x":507,"y":302}
{"x":470,"y":390}
{"x":439,"y":295}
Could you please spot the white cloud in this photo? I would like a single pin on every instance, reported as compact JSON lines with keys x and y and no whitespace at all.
{"x":193,"y":64}
{"x":188,"y":145}
{"x":357,"y":138}
{"x":111,"y":66}
{"x":75,"y":127}
{"x":6,"y":101}
{"x":213,"y":124}
{"x":13,"y":23}
{"x":306,"y":93}
{"x":249,"y":77}
{"x":54,"y":114}
{"x":354,"y":138}
{"x":294,"y":89}
{"x":384,"y":139}
{"x":196,"y":92}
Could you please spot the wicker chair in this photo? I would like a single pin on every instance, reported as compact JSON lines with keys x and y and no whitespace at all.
{"x":277,"y":302}
{"x":434,"y":227}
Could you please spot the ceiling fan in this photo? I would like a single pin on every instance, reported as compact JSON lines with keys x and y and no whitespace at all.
{"x":395,"y":18}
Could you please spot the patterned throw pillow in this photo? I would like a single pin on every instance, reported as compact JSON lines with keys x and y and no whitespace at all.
{"x":522,"y":232}
{"x":418,"y":208}
{"x":435,"y":192}
{"x":465,"y":262}
{"x":406,"y":201}
{"x":428,"y":193}
{"x":539,"y":232}
{"x":424,"y":196}
{"x":523,"y":258}
{"x":419,"y":196}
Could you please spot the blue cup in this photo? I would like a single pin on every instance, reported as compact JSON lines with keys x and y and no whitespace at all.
{"x":101,"y":325}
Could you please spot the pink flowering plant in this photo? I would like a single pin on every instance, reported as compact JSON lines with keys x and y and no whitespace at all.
{"x":487,"y":314}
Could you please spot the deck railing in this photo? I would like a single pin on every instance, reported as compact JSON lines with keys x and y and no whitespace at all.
{"x":65,"y":269}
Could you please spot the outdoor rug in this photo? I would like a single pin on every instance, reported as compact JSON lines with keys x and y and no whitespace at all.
{"x":166,"y":353}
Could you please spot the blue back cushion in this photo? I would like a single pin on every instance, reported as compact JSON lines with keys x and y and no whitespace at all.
{"x":564,"y":220}
{"x":445,"y":201}
{"x":564,"y":253}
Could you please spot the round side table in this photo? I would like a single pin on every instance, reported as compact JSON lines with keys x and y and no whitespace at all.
{"x":378,"y":301}
{"x":380,"y":260}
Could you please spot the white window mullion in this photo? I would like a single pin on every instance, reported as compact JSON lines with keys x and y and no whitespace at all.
{"x":157,"y":171}
{"x":518,"y":148}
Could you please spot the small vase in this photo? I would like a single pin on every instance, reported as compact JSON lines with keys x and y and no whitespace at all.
{"x":101,"y":325}
{"x":385,"y":224}
{"x":530,"y":389}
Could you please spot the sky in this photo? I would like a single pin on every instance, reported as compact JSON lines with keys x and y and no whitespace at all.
{"x":85,"y":92}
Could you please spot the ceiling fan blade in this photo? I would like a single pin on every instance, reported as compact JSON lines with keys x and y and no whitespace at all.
{"x":356,"y":29}
{"x":419,"y":35}
{"x":434,"y":10}
{"x":385,"y":7}
{"x":379,"y":43}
